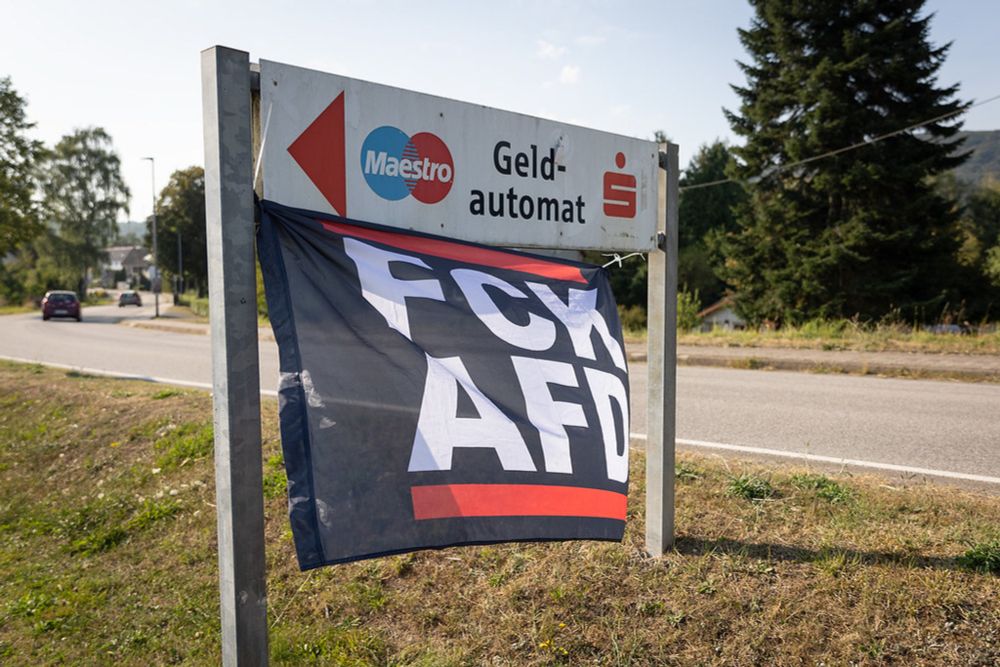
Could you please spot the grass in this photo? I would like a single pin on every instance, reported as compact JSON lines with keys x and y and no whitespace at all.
{"x":107,"y":556}
{"x":850,"y":335}
{"x":14,"y":309}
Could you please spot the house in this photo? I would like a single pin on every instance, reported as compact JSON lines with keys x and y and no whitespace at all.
{"x":721,"y":315}
{"x":125,"y":263}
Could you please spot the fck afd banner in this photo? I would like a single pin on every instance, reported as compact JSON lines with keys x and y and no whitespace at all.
{"x":437,"y":393}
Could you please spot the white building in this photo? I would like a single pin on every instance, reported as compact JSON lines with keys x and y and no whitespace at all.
{"x":721,"y":315}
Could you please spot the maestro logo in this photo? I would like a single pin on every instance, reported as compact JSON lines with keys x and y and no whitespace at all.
{"x":396,"y":165}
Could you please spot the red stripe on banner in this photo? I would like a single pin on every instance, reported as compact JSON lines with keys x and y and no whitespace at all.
{"x":448,"y":501}
{"x":462,"y":253}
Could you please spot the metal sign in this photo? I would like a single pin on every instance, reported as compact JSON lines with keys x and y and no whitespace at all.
{"x":611,"y":182}
{"x":431,"y":164}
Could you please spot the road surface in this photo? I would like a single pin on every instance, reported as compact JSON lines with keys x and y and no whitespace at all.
{"x":949,"y":427}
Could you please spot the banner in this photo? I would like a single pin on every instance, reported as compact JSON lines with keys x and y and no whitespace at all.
{"x":436,"y":393}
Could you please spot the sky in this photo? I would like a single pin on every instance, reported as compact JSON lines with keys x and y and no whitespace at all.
{"x":133,"y":67}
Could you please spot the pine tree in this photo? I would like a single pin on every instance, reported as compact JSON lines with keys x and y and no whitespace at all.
{"x":861,"y":232}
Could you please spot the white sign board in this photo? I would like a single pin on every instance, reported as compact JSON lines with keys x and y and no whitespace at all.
{"x":394,"y":157}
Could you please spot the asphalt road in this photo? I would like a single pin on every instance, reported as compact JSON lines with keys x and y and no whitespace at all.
{"x":942,"y":426}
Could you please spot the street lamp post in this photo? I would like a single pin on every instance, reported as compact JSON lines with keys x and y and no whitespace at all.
{"x":156,"y":270}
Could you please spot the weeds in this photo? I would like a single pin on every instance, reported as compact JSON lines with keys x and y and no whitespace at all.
{"x":104,"y":537}
{"x":687,"y":472}
{"x":825,"y":488}
{"x":982,"y":557}
{"x":187,"y":442}
{"x":275,"y":481}
{"x":834,"y":562}
{"x":750,"y":487}
{"x":165,"y":393}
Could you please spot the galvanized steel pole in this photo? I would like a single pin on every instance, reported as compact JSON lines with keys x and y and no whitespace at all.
{"x":236,"y":385}
{"x":662,"y":362}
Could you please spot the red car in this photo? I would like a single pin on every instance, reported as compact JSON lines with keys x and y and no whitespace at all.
{"x":61,"y":304}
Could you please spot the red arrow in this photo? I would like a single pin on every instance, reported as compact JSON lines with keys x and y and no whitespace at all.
{"x":320,"y":152}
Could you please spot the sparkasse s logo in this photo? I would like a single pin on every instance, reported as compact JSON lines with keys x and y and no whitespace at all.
{"x":396,"y":165}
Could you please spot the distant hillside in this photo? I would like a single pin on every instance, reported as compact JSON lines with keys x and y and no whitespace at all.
{"x":985,"y":158}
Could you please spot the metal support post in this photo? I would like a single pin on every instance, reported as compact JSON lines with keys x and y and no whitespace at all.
{"x":235,"y":375}
{"x":662,"y":362}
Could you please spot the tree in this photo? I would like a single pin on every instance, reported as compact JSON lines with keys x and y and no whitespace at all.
{"x":82,"y":194}
{"x":18,"y":158}
{"x":180,"y":216}
{"x":861,"y":231}
{"x":979,"y":253}
{"x":706,"y":215}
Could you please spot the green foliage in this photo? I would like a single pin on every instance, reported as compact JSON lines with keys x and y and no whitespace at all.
{"x":165,"y":393}
{"x":188,"y":442}
{"x":633,"y":318}
{"x":30,"y":604}
{"x":180,"y":216}
{"x":198,"y":305}
{"x":628,"y":281}
{"x":706,"y":214}
{"x":982,"y":557}
{"x":687,"y":472}
{"x":750,"y":487}
{"x":19,"y":156}
{"x":992,"y":265}
{"x":275,"y":481}
{"x":82,"y":194}
{"x":863,"y":231}
{"x":688,"y":307}
{"x":261,"y":296}
{"x":107,"y":533}
{"x":825,"y":488}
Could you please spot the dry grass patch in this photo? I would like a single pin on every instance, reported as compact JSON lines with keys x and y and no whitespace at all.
{"x":107,"y":555}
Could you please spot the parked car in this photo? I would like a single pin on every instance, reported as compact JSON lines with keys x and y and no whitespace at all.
{"x":60,"y":303}
{"x":129,"y":298}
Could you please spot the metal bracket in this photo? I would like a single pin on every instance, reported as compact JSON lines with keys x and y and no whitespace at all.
{"x":661,"y":240}
{"x":663,"y":161}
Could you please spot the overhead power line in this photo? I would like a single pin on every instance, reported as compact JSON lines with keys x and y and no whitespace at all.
{"x":775,"y":169}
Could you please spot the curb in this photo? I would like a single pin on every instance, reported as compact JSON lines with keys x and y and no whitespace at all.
{"x":180,"y":327}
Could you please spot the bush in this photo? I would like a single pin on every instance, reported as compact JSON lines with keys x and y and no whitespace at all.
{"x":688,"y":306}
{"x":633,"y":318}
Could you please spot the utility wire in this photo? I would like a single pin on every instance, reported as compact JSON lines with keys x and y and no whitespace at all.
{"x":867,"y":142}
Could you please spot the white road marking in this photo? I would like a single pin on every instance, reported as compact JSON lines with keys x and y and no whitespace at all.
{"x":930,"y":472}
